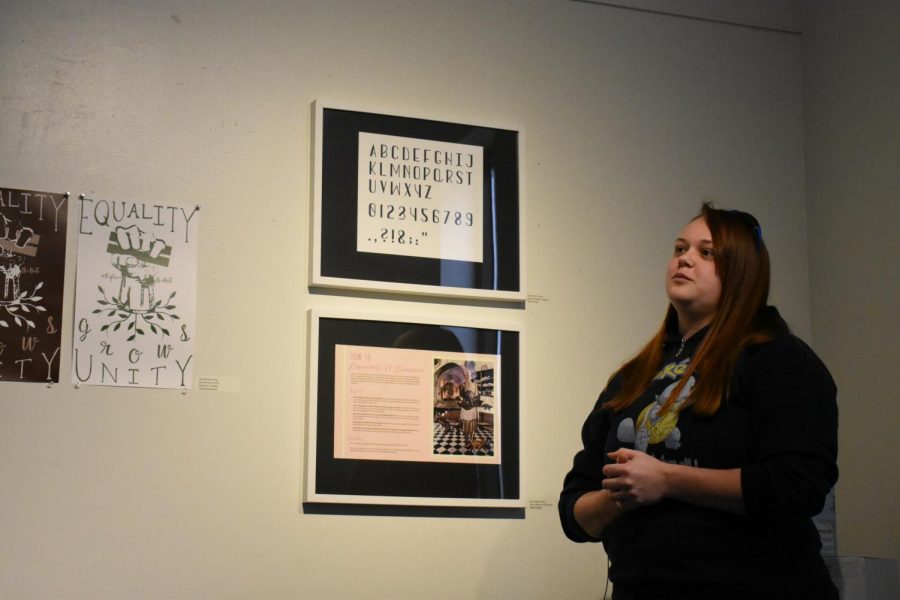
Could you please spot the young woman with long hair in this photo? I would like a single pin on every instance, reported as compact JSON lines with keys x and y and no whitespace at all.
{"x":707,"y":453}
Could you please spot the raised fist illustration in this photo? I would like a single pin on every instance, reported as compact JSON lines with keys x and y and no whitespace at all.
{"x":138,"y":251}
{"x":17,"y":236}
{"x":12,"y":238}
{"x":9,"y":266}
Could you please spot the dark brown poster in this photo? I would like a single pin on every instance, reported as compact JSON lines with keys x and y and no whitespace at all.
{"x":32,"y":271}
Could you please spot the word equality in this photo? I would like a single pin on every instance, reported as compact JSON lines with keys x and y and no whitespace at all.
{"x":33,"y":203}
{"x":105,"y":212}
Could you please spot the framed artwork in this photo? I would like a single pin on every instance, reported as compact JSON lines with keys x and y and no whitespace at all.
{"x":412,"y":412}
{"x":413,"y":205}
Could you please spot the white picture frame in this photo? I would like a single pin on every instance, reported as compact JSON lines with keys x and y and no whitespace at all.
{"x":378,"y":253}
{"x":414,"y":483}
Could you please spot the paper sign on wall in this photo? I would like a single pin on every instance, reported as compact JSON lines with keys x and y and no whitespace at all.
{"x":32,"y":270}
{"x":416,"y":405}
{"x":135,"y":297}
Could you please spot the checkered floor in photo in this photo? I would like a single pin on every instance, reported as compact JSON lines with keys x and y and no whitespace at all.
{"x":452,"y":442}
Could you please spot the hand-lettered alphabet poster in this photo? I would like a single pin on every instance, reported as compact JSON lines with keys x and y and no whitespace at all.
{"x":136,"y":294}
{"x":32,"y":272}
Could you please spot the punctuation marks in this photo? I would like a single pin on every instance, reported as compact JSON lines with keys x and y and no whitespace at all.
{"x":397,"y":236}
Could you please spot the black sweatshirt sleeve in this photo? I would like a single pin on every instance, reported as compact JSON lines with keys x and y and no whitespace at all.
{"x":792,"y":401}
{"x":586,"y":474}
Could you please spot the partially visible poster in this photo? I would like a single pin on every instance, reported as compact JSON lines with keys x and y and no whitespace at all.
{"x":136,"y":294}
{"x":32,"y":272}
{"x":415,"y":405}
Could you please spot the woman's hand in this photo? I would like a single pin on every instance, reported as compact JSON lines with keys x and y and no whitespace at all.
{"x":636,"y":479}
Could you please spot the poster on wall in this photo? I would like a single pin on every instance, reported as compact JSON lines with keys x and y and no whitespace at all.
{"x":417,"y":405}
{"x":32,"y":273}
{"x":413,"y":205}
{"x":135,"y":294}
{"x":412,"y":412}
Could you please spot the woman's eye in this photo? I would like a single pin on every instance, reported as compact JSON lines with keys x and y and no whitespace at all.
{"x":707,"y":253}
{"x":680,"y":250}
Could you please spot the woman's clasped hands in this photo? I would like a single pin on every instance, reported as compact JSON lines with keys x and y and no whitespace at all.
{"x":635,"y":479}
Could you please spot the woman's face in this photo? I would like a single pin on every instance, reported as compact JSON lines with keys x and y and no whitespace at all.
{"x":692,"y":284}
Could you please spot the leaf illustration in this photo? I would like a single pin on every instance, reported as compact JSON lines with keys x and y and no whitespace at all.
{"x":105,"y":327}
{"x":3,"y":324}
{"x":39,"y":285}
{"x":37,"y":298}
{"x":130,"y":338}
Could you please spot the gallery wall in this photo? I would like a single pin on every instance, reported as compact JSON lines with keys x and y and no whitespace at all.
{"x":629,"y":119}
{"x":851,"y":91}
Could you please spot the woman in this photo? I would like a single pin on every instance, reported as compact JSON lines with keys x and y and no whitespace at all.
{"x":708,"y":452}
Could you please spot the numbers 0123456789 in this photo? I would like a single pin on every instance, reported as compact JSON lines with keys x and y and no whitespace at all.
{"x":421,"y":215}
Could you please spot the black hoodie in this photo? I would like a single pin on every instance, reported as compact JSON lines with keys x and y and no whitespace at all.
{"x":778,"y":425}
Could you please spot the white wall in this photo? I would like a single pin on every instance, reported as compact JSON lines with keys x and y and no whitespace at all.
{"x":851,"y":95}
{"x":630,"y":120}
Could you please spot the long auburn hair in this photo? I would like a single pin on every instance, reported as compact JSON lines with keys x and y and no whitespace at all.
{"x":742,"y":264}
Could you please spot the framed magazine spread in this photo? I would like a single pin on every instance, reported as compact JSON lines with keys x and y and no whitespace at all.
{"x":412,"y":412}
{"x":414,"y":205}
